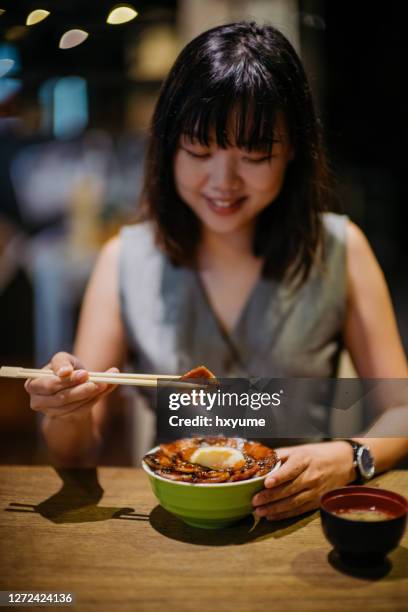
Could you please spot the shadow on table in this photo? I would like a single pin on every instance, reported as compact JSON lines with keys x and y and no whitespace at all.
{"x":240,"y":533}
{"x":322,"y":569}
{"x":77,"y":501}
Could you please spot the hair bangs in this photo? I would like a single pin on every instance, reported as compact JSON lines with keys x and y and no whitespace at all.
{"x":230,"y":121}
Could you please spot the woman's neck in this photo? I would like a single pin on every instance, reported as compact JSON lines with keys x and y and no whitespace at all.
{"x":223,"y":251}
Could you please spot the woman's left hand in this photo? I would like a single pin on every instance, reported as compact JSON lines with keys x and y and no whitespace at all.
{"x":307,"y":472}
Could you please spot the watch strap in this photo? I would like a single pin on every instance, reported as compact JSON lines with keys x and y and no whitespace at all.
{"x":355,"y":446}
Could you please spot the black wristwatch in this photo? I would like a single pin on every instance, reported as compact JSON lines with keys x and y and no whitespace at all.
{"x":363,"y":462}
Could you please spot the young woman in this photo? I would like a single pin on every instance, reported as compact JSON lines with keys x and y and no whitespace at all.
{"x":235,"y":264}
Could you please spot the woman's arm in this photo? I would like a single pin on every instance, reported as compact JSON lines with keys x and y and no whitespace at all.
{"x":100,"y":338}
{"x":371,"y":334}
{"x":74,"y":438}
{"x":372,"y":338}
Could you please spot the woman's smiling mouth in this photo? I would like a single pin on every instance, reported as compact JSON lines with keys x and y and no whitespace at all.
{"x":223,"y":206}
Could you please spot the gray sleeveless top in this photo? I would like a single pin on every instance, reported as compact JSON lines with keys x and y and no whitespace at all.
{"x":171,"y":327}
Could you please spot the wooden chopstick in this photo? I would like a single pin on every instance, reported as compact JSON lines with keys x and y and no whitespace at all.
{"x":126,"y":375}
{"x":112,"y":378}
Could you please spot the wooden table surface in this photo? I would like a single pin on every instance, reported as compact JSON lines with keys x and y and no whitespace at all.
{"x":101,"y":534}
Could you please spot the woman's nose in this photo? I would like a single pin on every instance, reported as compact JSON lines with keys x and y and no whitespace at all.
{"x":224,"y":174}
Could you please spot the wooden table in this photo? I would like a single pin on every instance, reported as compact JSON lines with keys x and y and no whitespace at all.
{"x":102,"y":535}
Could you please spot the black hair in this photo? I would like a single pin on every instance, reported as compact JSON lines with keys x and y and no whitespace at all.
{"x":250,"y":73}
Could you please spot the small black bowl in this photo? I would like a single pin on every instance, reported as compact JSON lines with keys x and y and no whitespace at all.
{"x":360,"y":542}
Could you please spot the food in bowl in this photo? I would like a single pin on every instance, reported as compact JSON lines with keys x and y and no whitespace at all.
{"x":363,"y":523}
{"x":211,"y":460}
{"x":363,"y":514}
{"x":207,"y":503}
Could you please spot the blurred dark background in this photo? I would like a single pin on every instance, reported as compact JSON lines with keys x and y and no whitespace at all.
{"x":73,"y":127}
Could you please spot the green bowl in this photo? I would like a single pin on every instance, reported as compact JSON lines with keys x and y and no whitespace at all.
{"x":209,"y":506}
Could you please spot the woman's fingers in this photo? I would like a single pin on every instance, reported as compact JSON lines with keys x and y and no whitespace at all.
{"x":76,"y":408}
{"x":49,"y":385}
{"x":294,"y":464}
{"x":63,"y":364}
{"x":291,"y":504}
{"x":287,"y":489}
{"x":110,"y":387}
{"x":286,"y":484}
{"x":278,"y":516}
{"x":68,"y":390}
{"x":68,"y":369}
{"x":57,"y":397}
{"x":283,"y":452}
{"x":68,"y":395}
{"x":114,"y":370}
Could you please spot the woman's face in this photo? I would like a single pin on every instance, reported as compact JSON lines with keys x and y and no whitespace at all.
{"x":228,"y":188}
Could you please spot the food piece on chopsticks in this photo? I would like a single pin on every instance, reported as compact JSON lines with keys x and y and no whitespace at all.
{"x":211,"y":459}
{"x":198,"y":372}
{"x":202,"y":374}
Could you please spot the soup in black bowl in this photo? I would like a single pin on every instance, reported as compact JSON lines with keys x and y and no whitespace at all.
{"x":363,"y":523}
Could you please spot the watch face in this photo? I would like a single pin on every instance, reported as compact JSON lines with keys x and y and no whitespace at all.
{"x":366,"y":462}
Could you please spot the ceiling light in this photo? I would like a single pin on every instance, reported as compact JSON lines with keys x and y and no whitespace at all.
{"x":36,"y":16}
{"x":121,"y":14}
{"x":72,"y":38}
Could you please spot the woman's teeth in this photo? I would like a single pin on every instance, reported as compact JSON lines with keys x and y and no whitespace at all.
{"x":224,"y":204}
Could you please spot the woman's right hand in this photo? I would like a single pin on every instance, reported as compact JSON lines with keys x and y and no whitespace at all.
{"x":69,"y":392}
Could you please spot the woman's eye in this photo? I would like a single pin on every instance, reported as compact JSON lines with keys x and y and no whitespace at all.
{"x":197,"y":155}
{"x":258,"y":160}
